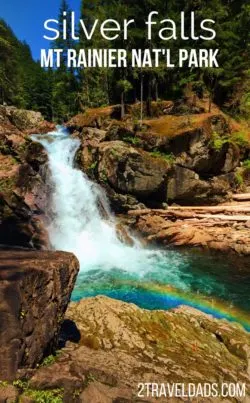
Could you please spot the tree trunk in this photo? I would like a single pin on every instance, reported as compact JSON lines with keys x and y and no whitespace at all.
{"x":210,"y":103}
{"x":122,"y":105}
{"x":156,"y":91}
{"x":149,"y":98}
{"x":141,"y":99}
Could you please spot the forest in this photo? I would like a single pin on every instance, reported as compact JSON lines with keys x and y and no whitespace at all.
{"x":60,"y":93}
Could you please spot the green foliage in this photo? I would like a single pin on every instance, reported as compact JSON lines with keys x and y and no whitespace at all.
{"x":49,"y":360}
{"x":218,"y":141}
{"x":45,"y":396}
{"x":59,"y":94}
{"x":170,"y":158}
{"x":246,"y":164}
{"x":21,"y":384}
{"x":93,"y":166}
{"x":227,"y":85}
{"x":124,"y":86}
{"x":22,"y":81}
{"x":132,"y":140}
{"x":238,"y":138}
{"x":7,"y":184}
{"x":39,"y":396}
{"x":239,"y":179}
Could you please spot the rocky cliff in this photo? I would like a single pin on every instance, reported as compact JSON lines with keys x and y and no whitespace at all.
{"x":182,"y":156}
{"x":23,"y":191}
{"x":35,"y":288}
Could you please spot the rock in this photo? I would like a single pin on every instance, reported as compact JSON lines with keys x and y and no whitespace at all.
{"x":128,"y":170}
{"x":96,"y":393}
{"x":95,"y":118}
{"x":134,"y":345}
{"x":124,"y":131}
{"x":92,"y":136}
{"x":34,"y":292}
{"x":215,"y":228}
{"x":23,"y":191}
{"x":122,"y":203}
{"x":122,"y":345}
{"x":23,"y":119}
{"x":190,"y":139}
{"x":36,"y":156}
{"x":185,"y":186}
{"x":56,"y":376}
{"x":123,"y":235}
{"x":8,"y":394}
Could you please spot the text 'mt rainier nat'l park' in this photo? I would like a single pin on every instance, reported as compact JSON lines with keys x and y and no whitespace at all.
{"x":124,"y":201}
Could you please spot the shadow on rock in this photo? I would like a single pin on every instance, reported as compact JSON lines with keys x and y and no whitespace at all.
{"x":68,"y":332}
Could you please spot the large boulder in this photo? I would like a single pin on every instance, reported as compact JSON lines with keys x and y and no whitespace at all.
{"x":34,"y":293}
{"x":186,"y":187}
{"x":94,"y":117}
{"x":191,"y":140}
{"x":122,"y":345}
{"x":130,"y":170}
{"x":23,"y":119}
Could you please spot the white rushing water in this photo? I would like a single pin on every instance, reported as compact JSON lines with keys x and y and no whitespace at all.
{"x":77,"y":225}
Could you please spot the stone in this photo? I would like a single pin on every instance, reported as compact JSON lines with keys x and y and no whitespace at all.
{"x":133,"y":171}
{"x":23,"y":119}
{"x":185,"y":186}
{"x":34,"y":293}
{"x":56,"y":376}
{"x":136,"y":345}
{"x":96,"y":393}
{"x":8,"y":394}
{"x":23,"y":191}
{"x":215,"y":228}
{"x":92,"y":136}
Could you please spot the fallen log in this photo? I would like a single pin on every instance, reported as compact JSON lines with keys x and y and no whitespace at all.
{"x":242,"y":197}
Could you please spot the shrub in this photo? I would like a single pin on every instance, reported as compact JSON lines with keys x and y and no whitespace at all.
{"x":170,"y":158}
{"x":240,"y":138}
{"x":132,"y":140}
{"x":239,"y":179}
{"x":246,"y":164}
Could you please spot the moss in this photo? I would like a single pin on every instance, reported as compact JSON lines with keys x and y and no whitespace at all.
{"x":93,"y":166}
{"x":246,"y":164}
{"x":7,"y":184}
{"x":218,"y":141}
{"x":170,"y":158}
{"x":238,"y":138}
{"x":103,"y":177}
{"x":88,"y":379}
{"x":132,"y":140}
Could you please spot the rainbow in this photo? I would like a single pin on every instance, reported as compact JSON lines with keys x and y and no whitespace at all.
{"x":165,"y":297}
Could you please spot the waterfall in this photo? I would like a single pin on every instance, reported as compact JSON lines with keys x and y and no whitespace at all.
{"x":150,"y":278}
{"x":77,"y":225}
